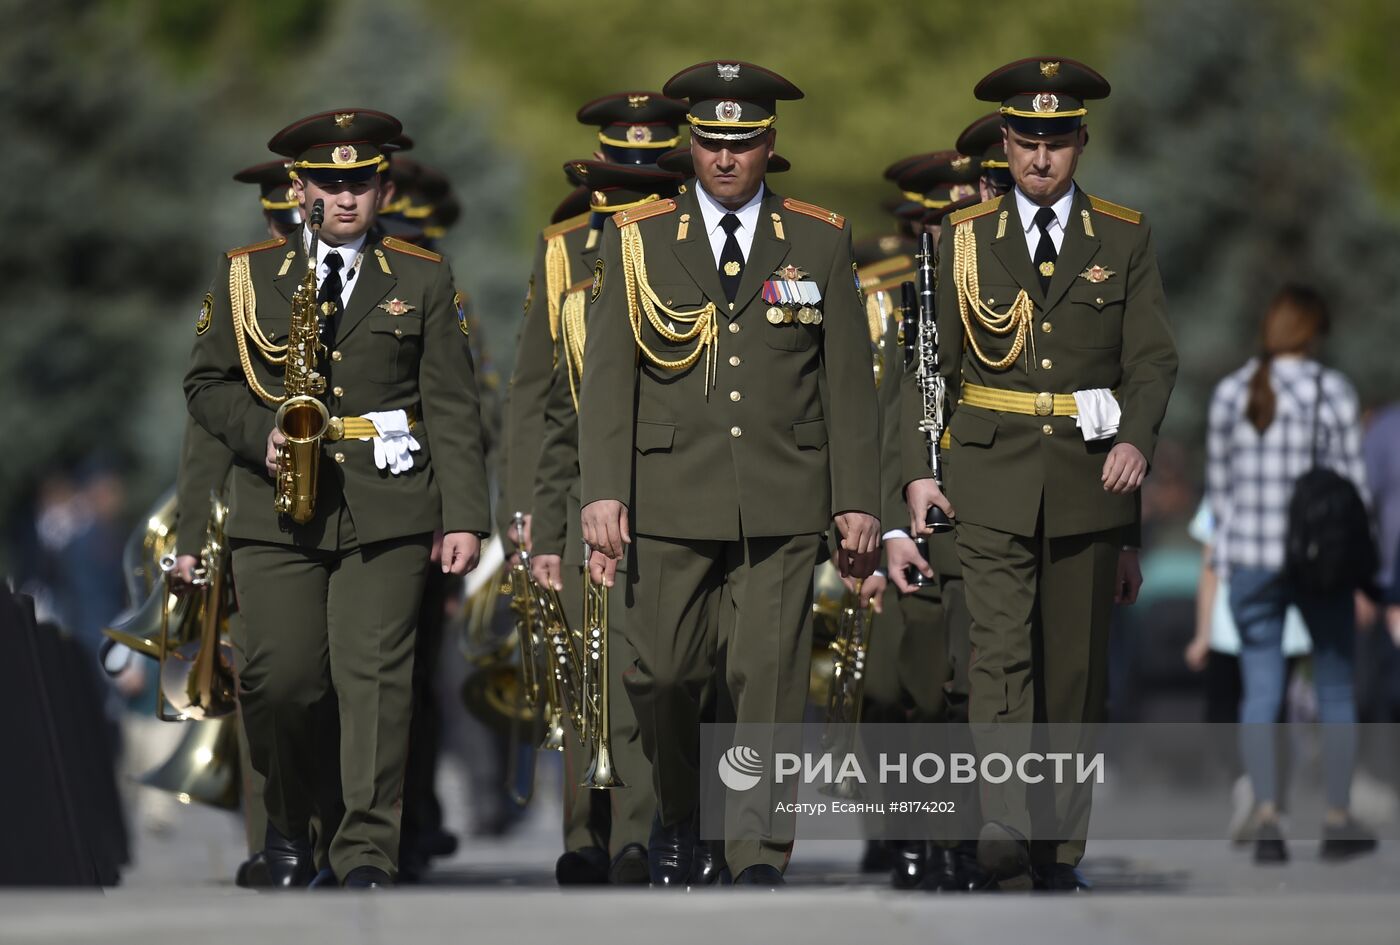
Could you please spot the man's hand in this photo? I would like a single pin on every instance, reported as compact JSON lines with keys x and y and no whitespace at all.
{"x":435,"y":555}
{"x":274,"y":440}
{"x":182,"y":577}
{"x":1392,"y":622}
{"x":460,"y":552}
{"x":860,"y":544}
{"x":605,"y":527}
{"x":920,"y":495}
{"x":900,"y":553}
{"x":522,"y":540}
{"x":1197,"y":651}
{"x":1124,"y":469}
{"x":547,"y":570}
{"x":1129,"y":580}
{"x":872,"y":591}
{"x":601,"y":569}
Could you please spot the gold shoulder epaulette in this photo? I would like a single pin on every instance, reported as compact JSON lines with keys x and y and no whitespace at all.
{"x":1114,"y":210}
{"x":257,"y":247}
{"x":645,"y":212}
{"x":408,"y":249}
{"x":566,"y":226}
{"x":974,"y":211}
{"x":881,"y":268}
{"x":812,"y":210}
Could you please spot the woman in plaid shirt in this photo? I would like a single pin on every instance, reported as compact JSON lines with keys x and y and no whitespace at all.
{"x":1263,"y":419}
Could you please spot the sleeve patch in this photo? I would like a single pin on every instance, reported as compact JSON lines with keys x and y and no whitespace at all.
{"x":461,"y":314}
{"x":206,"y":314}
{"x":597,"y":281}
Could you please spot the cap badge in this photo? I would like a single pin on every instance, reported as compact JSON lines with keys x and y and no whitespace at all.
{"x":1045,"y":102}
{"x":343,"y":119}
{"x":727,"y":73}
{"x":345,"y":154}
{"x":1096,"y":274}
{"x":396,"y":307}
{"x":1049,"y":69}
{"x":638,"y":101}
{"x":728,"y":111}
{"x":291,"y":195}
{"x":960,"y":162}
{"x":600,"y":198}
{"x":639,"y":134}
{"x":580,"y":169}
{"x":888,"y":244}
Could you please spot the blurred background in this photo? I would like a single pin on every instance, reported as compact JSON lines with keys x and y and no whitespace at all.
{"x":1260,"y":137}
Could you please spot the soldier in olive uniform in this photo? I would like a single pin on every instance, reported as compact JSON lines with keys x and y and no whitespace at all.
{"x":1057,"y":349}
{"x":727,"y":417}
{"x":983,"y":141}
{"x":329,"y":605}
{"x":620,"y":819}
{"x":634,"y":129}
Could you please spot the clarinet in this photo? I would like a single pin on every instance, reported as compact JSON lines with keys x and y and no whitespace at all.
{"x":931,"y":384}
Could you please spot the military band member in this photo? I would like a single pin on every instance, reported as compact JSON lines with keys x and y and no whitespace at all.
{"x":329,"y":605}
{"x":982,"y":140}
{"x":727,"y":417}
{"x":1055,"y":339}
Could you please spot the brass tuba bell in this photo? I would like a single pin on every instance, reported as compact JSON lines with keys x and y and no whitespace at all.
{"x":203,"y":768}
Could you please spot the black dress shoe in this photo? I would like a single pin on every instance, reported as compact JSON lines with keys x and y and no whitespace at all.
{"x":762,"y":876}
{"x":970,"y":874}
{"x":438,"y":843}
{"x":910,"y":865}
{"x":1346,"y":840}
{"x":368,"y":877}
{"x":671,"y":852}
{"x":630,"y":867}
{"x":879,"y":856}
{"x":944,"y":871}
{"x":706,"y":867}
{"x":585,"y":867}
{"x":1065,"y":878}
{"x":1269,"y":847}
{"x":1005,"y":856}
{"x":325,"y":879}
{"x":289,"y":862}
{"x":252,"y":872}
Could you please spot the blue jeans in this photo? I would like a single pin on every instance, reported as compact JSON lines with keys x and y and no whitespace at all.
{"x":1258,"y":599}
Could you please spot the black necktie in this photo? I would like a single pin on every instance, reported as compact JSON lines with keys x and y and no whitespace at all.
{"x":331,"y":287}
{"x":1045,"y":253}
{"x":731,"y":258}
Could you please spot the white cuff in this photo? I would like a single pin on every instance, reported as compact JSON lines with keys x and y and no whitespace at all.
{"x":894,"y":533}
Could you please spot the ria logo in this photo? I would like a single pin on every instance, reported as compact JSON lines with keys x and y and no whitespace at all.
{"x":740,"y":768}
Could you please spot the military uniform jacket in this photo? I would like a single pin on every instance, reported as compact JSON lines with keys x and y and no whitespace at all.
{"x":418,"y":361}
{"x":536,"y":351}
{"x":1102,"y":327}
{"x":204,"y":468}
{"x":556,"y":528}
{"x":787,"y":436}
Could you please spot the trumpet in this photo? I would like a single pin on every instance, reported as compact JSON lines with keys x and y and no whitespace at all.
{"x":849,"y":649}
{"x":595,"y":726}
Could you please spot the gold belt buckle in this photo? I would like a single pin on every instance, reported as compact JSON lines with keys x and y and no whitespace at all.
{"x":1044,"y":404}
{"x":335,"y":430}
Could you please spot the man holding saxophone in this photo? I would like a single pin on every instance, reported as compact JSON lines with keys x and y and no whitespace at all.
{"x":332,"y":532}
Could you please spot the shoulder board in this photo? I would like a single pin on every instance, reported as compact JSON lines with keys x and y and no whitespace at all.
{"x":566,"y":226}
{"x":580,"y":286}
{"x":888,"y":281}
{"x":974,"y":211}
{"x":645,"y":212}
{"x":408,"y":249}
{"x":257,"y":247}
{"x":812,"y":210}
{"x":884,"y":267}
{"x":1114,"y":210}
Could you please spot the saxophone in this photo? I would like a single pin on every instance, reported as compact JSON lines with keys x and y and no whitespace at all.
{"x":301,"y":418}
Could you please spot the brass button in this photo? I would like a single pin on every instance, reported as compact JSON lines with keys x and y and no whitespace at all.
{"x":1046,"y":327}
{"x":336,"y":355}
{"x":734,"y":395}
{"x":734,"y":360}
{"x":1098,"y":301}
{"x":991,"y":301}
{"x":735,"y":431}
{"x":398,"y":332}
{"x":338,"y":391}
{"x":733,"y":328}
{"x":1046,"y":363}
{"x":340,"y":457}
{"x":1047,"y":429}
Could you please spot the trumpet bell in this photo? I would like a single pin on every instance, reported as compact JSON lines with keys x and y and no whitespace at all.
{"x":602,"y":773}
{"x":192,"y":698}
{"x":203,"y":769}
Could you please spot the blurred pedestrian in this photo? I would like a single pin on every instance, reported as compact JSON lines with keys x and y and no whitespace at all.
{"x":1271,"y":422}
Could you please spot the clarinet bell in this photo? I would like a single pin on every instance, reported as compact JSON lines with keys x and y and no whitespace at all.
{"x":913,"y":575}
{"x":937,"y":520}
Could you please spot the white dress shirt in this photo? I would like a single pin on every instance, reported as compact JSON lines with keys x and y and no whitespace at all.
{"x":1028,"y":210}
{"x":349,"y":253}
{"x":712,"y":212}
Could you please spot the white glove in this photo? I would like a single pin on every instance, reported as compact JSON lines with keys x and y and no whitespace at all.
{"x":1098,"y":413}
{"x":394,"y":446}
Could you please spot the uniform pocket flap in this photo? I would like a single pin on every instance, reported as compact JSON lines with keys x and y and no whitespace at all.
{"x":653,"y":435}
{"x":972,"y":429}
{"x":396,"y":325}
{"x":810,"y":434}
{"x":1098,"y":295}
{"x":680,"y":297}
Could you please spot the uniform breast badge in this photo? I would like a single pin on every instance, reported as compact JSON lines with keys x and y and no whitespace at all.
{"x":1096,"y":274}
{"x":1047,"y":269}
{"x":791,"y":296}
{"x":396,"y":307}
